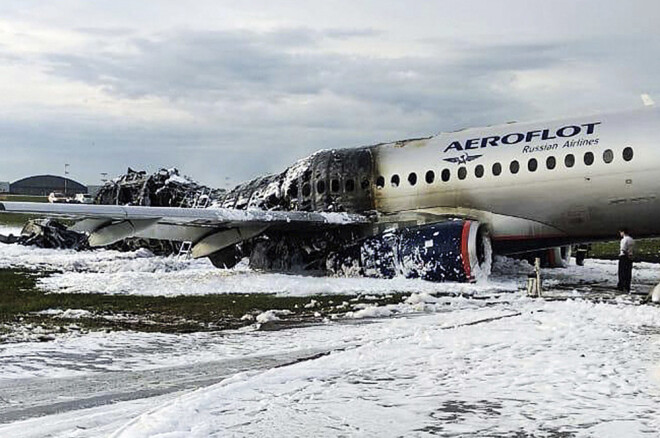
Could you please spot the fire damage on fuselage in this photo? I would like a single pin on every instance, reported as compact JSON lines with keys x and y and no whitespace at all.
{"x":329,"y":181}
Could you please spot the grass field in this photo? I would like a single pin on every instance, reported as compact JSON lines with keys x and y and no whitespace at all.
{"x":646,"y":250}
{"x":20,"y":299}
{"x":22,"y":198}
{"x":19,"y":219}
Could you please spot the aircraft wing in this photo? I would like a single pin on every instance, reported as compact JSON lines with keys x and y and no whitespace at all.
{"x":209,"y":229}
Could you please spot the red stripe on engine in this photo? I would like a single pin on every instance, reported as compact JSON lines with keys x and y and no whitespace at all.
{"x":465,"y":252}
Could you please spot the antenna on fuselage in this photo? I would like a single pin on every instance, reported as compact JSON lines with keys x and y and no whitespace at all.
{"x":647,"y":100}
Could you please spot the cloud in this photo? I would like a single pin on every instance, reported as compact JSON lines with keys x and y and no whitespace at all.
{"x":240,"y":102}
{"x":206,"y":69}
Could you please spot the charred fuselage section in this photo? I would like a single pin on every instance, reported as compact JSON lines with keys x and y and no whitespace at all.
{"x":329,"y":181}
{"x":164,"y":188}
{"x":338,"y":180}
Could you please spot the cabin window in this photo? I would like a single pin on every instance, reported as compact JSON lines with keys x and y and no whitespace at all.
{"x":430,"y":177}
{"x":307,"y":190}
{"x":532,"y":165}
{"x":479,"y":171}
{"x":608,"y":156}
{"x":550,"y":163}
{"x":412,"y":178}
{"x":395,"y":180}
{"x":462,"y":172}
{"x":446,"y":174}
{"x":350,"y":185}
{"x":380,"y":182}
{"x":514,"y":167}
{"x":293,"y":189}
{"x":320,"y":187}
{"x":497,"y":169}
{"x":628,"y":153}
{"x":588,"y":158}
{"x":334,"y":185}
{"x":364,"y":184}
{"x":569,"y":160}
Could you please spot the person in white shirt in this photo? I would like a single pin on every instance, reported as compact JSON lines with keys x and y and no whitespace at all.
{"x":626,"y":248}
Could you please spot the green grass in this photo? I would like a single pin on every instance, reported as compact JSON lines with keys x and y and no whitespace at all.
{"x":20,"y":299}
{"x":23,"y":198}
{"x":15,"y":219}
{"x":646,"y":250}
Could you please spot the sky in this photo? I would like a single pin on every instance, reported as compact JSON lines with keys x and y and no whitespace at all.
{"x":228,"y":90}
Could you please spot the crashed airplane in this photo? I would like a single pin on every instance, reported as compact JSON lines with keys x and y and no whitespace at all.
{"x":435,"y":208}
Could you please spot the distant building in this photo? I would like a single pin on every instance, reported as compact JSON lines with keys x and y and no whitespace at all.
{"x":4,"y":187}
{"x":42,"y":185}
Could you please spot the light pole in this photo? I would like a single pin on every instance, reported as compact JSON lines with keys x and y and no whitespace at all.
{"x":66,"y":172}
{"x":104,"y":177}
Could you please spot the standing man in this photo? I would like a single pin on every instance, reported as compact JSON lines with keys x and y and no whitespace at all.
{"x":625,"y":260}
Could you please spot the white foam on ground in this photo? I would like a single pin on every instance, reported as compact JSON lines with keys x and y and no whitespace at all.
{"x":142,"y":273}
{"x":558,"y":368}
{"x":10,"y":229}
{"x":571,"y":367}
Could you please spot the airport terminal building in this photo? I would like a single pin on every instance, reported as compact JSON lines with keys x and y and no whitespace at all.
{"x":42,"y":185}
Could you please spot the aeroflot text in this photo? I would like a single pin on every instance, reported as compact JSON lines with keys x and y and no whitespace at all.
{"x":526,"y":137}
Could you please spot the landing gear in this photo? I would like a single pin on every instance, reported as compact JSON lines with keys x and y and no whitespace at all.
{"x":581,"y":252}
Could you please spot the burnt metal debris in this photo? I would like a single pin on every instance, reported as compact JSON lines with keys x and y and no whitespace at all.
{"x":328,"y":181}
{"x":164,"y":188}
{"x":48,"y":233}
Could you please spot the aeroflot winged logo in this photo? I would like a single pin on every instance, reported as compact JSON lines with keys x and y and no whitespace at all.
{"x":512,"y":138}
{"x":462,"y":159}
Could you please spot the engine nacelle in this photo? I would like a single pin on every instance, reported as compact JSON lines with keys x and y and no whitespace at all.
{"x":456,"y":250}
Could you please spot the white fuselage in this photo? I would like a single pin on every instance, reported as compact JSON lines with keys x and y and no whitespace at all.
{"x":586,"y":201}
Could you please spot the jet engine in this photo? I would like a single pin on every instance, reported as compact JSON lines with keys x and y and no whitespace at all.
{"x":456,"y":250}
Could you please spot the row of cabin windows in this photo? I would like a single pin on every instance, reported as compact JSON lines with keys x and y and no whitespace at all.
{"x":335,"y":187}
{"x":514,"y":168}
{"x":445,"y":175}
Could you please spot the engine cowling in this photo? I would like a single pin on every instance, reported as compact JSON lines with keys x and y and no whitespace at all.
{"x":457,"y":250}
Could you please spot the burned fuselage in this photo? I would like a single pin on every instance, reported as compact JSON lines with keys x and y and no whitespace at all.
{"x":338,"y":180}
{"x":328,"y":181}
